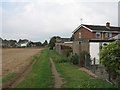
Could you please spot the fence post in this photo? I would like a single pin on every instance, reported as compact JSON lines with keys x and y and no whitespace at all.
{"x":85,"y":60}
{"x":94,"y":65}
{"x":119,"y":79}
{"x":119,"y":75}
{"x":109,"y":77}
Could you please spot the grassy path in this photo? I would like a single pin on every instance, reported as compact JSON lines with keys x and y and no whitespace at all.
{"x":58,"y":79}
{"x":74,"y":77}
{"x":40,"y":76}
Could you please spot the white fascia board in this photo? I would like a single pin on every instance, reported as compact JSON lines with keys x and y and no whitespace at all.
{"x":80,"y":27}
{"x":68,"y":42}
{"x":105,"y":31}
{"x":87,"y":28}
{"x":76,"y":29}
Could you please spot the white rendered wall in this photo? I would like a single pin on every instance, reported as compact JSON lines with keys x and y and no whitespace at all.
{"x":94,"y":52}
{"x":22,"y":45}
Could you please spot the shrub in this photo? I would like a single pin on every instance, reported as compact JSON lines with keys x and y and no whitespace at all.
{"x":63,"y":60}
{"x":67,"y":52}
{"x":110,"y":56}
{"x":75,"y":59}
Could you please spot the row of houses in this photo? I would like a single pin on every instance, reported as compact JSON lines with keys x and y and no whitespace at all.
{"x":14,"y":43}
{"x":89,"y":38}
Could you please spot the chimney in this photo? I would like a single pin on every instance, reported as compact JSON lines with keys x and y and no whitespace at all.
{"x":107,"y":24}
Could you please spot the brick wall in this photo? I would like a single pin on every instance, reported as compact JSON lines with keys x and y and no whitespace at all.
{"x":79,"y":46}
{"x":84,"y":34}
{"x":90,"y":35}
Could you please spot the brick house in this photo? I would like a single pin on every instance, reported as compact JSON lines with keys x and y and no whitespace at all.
{"x":96,"y":32}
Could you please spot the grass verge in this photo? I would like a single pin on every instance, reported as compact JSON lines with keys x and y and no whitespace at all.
{"x":40,"y":76}
{"x":74,"y":77}
{"x":8,"y":77}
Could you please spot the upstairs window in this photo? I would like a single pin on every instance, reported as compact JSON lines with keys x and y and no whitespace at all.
{"x":79,"y":34}
{"x":97,"y":34}
{"x":108,"y":35}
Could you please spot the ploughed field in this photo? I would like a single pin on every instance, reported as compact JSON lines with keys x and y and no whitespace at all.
{"x":14,"y":60}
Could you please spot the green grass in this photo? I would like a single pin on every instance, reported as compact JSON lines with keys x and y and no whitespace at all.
{"x":74,"y":77}
{"x":8,"y":77}
{"x":40,"y":76}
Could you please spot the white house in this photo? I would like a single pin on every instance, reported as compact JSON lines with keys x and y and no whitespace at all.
{"x":24,"y":44}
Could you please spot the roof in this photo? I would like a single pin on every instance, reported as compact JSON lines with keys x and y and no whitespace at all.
{"x":101,"y":40}
{"x":98,"y":28}
{"x":68,"y":42}
{"x":62,"y":40}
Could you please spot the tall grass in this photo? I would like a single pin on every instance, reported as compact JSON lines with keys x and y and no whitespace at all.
{"x":76,"y":78}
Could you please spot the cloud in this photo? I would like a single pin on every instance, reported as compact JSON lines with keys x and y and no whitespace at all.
{"x":40,"y":20}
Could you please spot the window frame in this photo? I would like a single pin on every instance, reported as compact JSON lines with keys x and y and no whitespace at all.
{"x":108,"y":35}
{"x":79,"y":34}
{"x":97,"y":34}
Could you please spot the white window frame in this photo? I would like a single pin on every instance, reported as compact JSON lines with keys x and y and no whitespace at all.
{"x":108,"y":35}
{"x":79,"y":34}
{"x":99,"y":34}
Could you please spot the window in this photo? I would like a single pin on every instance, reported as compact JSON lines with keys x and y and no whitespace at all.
{"x":108,"y":35}
{"x":79,"y":34}
{"x":97,"y":34}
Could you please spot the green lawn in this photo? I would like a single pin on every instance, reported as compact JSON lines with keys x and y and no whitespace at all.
{"x":74,"y":77}
{"x":40,"y":76}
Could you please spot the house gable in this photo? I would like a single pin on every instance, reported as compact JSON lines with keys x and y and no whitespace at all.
{"x":91,"y":31}
{"x":85,"y":33}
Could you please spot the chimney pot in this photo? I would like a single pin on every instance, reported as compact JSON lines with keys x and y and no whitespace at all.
{"x":107,"y":24}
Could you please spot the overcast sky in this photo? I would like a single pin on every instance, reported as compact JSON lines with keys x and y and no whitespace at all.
{"x":39,"y":20}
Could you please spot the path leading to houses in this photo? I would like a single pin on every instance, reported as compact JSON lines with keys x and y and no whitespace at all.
{"x":88,"y":72}
{"x":58,"y":79}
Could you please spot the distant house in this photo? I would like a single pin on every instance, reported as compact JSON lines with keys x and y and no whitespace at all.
{"x":62,"y":40}
{"x":68,"y":44}
{"x":23,"y":44}
{"x":62,"y":44}
{"x":6,"y":44}
{"x":95,"y":32}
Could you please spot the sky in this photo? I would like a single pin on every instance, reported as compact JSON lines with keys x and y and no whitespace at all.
{"x":39,"y":20}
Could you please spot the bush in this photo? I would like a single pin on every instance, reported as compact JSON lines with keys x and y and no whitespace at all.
{"x":67,"y":52}
{"x":110,"y":56}
{"x":75,"y":59}
{"x":63,"y":60}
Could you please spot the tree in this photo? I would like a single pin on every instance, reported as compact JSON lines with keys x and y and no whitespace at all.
{"x":13,"y":43}
{"x":38,"y":44}
{"x":110,"y":56}
{"x":22,"y":41}
{"x":53,"y":41}
{"x":45,"y":43}
{"x":72,"y":38}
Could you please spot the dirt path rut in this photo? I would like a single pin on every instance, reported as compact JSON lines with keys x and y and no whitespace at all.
{"x":58,"y":79}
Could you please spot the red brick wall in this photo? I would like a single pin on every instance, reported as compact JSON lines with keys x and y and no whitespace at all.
{"x":89,"y":35}
{"x":84,"y":34}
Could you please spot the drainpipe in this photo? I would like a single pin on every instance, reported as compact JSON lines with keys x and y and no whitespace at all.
{"x":102,"y":35}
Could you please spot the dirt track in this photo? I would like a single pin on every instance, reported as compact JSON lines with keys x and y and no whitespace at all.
{"x":58,"y":79}
{"x":15,"y":60}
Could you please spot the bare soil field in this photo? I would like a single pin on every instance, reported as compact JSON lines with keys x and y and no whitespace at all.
{"x":14,"y":60}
